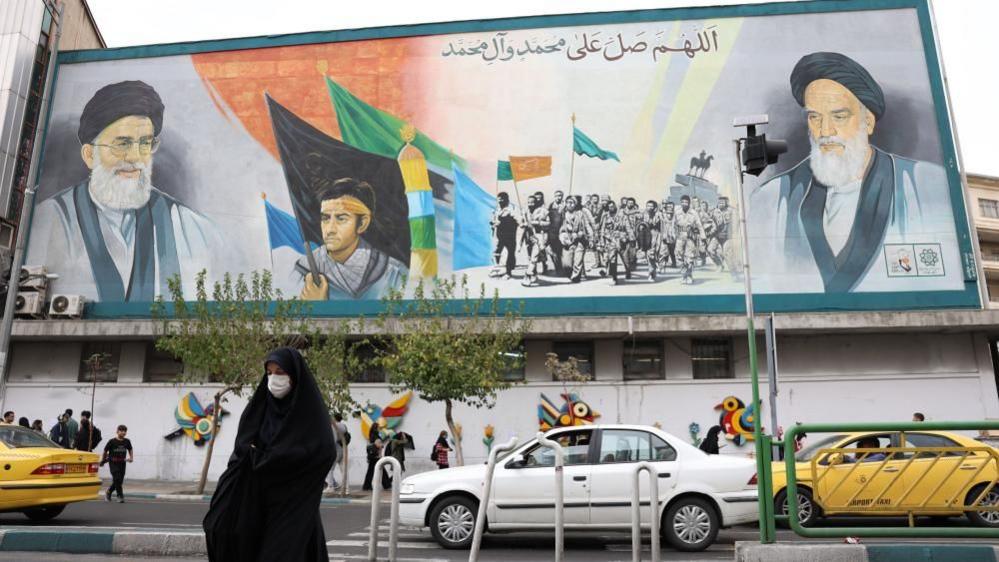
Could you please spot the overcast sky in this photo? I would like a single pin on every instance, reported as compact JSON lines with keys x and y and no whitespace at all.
{"x":966,"y":34}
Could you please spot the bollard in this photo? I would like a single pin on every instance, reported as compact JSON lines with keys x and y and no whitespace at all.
{"x":487,"y":484}
{"x":559,"y":494}
{"x":636,"y":511}
{"x":393,"y":513}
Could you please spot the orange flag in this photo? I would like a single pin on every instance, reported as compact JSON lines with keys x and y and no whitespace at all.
{"x":530,"y":167}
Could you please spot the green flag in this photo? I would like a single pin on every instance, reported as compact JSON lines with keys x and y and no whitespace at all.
{"x":372,"y":130}
{"x":584,"y":146}
{"x":503,"y":170}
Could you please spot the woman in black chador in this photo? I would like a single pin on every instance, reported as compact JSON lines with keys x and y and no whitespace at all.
{"x":266,"y":505}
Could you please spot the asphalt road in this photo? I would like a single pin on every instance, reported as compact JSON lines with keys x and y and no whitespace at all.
{"x":347,"y":532}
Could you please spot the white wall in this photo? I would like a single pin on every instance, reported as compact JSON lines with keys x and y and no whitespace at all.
{"x":823,"y":379}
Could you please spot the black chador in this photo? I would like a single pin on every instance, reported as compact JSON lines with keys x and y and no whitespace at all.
{"x":266,"y":505}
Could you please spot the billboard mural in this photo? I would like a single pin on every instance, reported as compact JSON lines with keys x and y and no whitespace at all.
{"x":583,"y":163}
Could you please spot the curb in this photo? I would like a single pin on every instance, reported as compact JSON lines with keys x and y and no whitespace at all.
{"x":208,"y":498}
{"x":162,"y":543}
{"x":838,"y":552}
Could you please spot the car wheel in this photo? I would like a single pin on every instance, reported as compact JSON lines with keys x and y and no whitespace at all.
{"x":452,"y":522}
{"x":691,"y":524}
{"x":808,"y":512}
{"x":44,"y":513}
{"x":984,"y":518}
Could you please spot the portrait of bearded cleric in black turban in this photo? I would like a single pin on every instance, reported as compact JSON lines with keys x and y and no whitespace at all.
{"x":826,"y":224}
{"x":113,"y":233}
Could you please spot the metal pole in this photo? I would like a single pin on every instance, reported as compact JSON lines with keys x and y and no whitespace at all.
{"x":487,"y":484}
{"x":559,"y":494}
{"x":762,"y":470}
{"x":771,"y":334}
{"x":7,"y":322}
{"x":636,"y":511}
{"x":393,"y":513}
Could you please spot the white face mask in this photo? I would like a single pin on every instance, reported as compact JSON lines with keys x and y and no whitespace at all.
{"x":279,"y":385}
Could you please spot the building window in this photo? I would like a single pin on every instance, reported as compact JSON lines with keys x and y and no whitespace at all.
{"x":989,"y":208}
{"x":100,"y":359}
{"x":712,"y":358}
{"x":643,"y":359}
{"x":366,"y":354}
{"x":581,"y":350}
{"x":161,"y":366}
{"x":517,"y":361}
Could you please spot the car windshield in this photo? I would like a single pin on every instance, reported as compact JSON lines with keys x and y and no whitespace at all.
{"x":808,"y":452}
{"x":17,"y":437}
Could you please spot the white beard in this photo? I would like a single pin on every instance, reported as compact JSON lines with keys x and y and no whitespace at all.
{"x":836,"y":170}
{"x":119,"y":193}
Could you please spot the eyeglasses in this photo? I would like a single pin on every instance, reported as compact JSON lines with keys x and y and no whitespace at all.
{"x":122,"y":146}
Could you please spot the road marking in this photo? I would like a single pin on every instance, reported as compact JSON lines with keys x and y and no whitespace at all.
{"x":141,"y":523}
{"x":344,"y":557}
{"x":382,"y":544}
{"x":401,"y":535}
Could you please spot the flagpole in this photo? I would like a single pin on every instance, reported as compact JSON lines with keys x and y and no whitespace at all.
{"x":572,"y":156}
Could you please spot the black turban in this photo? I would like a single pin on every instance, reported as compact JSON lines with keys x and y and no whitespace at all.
{"x":843,"y":70}
{"x":114,"y":101}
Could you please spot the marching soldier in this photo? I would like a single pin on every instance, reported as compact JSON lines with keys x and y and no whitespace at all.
{"x":555,"y":211}
{"x":616,"y":234}
{"x":505,"y":230}
{"x":648,"y":231}
{"x":688,"y":231}
{"x":708,"y":225}
{"x":536,"y":238}
{"x":576,"y":231}
{"x":718,"y":247}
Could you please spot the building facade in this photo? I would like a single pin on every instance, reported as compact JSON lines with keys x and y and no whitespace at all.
{"x":623,"y":243}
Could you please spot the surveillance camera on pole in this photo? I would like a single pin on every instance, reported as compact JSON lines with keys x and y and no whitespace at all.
{"x":753,"y":153}
{"x":757,"y":151}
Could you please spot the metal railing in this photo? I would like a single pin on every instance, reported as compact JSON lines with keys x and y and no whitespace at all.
{"x":396,"y":474}
{"x":559,"y":494}
{"x":487,"y":485}
{"x":881,"y":476}
{"x":636,"y":511}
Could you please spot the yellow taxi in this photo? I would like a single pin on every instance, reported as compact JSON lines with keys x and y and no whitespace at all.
{"x":879,"y":474}
{"x":38,"y":477}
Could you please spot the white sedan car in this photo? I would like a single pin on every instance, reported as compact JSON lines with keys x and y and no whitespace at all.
{"x":698,"y":493}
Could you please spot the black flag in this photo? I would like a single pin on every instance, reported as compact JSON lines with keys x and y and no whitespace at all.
{"x":312,"y":159}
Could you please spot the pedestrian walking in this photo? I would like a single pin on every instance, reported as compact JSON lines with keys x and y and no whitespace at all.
{"x":342,"y":437}
{"x":23,"y":422}
{"x":918,"y":417}
{"x":37,"y":426}
{"x":266,"y":504}
{"x":8,"y":417}
{"x":395,"y":447}
{"x":710,"y":442}
{"x":72,"y":428}
{"x":89,"y":436}
{"x":59,"y":433}
{"x":374,"y":452}
{"x":117,"y":453}
{"x":441,"y":449}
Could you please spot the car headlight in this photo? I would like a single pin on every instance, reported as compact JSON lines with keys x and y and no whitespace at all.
{"x":407,"y":489}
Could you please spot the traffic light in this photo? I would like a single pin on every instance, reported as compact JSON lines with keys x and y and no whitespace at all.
{"x":758,"y":153}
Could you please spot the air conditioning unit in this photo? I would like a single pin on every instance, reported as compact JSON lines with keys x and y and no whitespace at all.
{"x":29,"y":304}
{"x":66,"y":306}
{"x":32,"y":277}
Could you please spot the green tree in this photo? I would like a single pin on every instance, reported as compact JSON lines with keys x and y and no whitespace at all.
{"x":223,"y":336}
{"x":449,"y":345}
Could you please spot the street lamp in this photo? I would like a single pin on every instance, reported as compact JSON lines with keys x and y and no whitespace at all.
{"x":753,"y":153}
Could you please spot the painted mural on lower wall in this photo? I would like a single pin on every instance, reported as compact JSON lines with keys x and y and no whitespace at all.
{"x":347,"y":167}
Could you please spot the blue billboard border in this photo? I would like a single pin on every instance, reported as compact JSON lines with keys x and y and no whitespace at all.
{"x":969,"y":297}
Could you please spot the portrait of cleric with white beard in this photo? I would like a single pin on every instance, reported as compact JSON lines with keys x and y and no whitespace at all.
{"x":833,"y":222}
{"x":114,"y":236}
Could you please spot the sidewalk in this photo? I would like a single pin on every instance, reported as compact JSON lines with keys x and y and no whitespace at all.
{"x":164,"y":490}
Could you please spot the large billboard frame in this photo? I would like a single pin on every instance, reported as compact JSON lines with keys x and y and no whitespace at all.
{"x":968,"y":297}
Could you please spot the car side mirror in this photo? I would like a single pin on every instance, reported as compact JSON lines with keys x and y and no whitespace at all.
{"x":519,"y":462}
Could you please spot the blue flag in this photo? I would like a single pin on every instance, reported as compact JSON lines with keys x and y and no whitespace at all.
{"x":282,"y":229}
{"x":473,"y":209}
